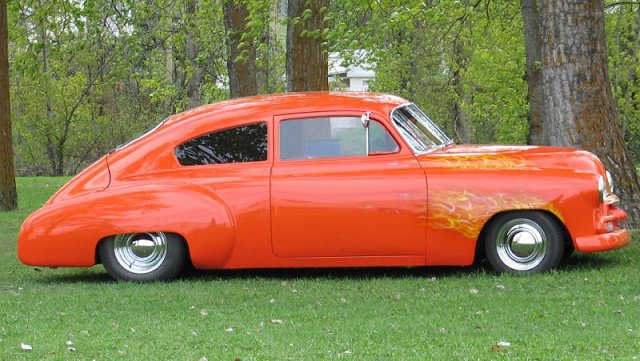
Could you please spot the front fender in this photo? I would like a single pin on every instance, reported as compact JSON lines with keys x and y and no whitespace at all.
{"x":460,"y":207}
{"x":67,"y":233}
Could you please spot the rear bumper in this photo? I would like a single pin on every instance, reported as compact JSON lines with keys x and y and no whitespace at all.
{"x":603,"y":242}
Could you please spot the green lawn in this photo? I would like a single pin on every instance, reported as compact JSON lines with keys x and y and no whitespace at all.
{"x":588,"y":310}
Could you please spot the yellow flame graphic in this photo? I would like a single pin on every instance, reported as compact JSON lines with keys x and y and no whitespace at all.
{"x":489,"y":161}
{"x":466,"y":212}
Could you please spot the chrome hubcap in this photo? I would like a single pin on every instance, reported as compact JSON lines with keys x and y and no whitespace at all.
{"x":140,"y":252}
{"x":521,"y":244}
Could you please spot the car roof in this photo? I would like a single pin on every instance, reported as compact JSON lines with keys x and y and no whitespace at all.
{"x":298,"y":102}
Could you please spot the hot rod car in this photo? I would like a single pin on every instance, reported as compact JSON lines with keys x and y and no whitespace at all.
{"x":321,"y":180}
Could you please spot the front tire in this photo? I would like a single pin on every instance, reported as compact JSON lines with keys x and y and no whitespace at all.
{"x":143,"y":257}
{"x":524,"y":242}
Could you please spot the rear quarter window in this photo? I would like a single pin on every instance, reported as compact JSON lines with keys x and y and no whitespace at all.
{"x":247,"y":143}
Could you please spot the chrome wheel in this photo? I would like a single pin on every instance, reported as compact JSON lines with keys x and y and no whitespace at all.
{"x":140,"y":253}
{"x":521,"y":244}
{"x":524,"y":242}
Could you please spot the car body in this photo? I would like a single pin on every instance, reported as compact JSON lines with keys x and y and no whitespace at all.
{"x":321,"y":180}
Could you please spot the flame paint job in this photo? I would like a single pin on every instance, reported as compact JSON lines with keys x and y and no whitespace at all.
{"x":466,"y":212}
{"x":383,"y":210}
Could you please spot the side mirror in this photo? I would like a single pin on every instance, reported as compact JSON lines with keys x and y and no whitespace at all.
{"x":365,"y":119}
{"x":365,"y":123}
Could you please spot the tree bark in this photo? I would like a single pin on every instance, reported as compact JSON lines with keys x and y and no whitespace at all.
{"x":307,"y":62}
{"x":169,"y":64}
{"x":8,"y":193}
{"x":578,"y":108}
{"x":461,"y":59}
{"x":193,"y":85}
{"x":55,"y":153}
{"x":241,"y":60}
{"x":533,"y":50}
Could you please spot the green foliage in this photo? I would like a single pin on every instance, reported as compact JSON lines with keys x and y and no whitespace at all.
{"x":266,"y":29}
{"x":623,"y":36}
{"x":87,"y":76}
{"x":495,"y":92}
{"x":443,"y":56}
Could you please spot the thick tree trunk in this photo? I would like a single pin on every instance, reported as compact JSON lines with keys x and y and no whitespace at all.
{"x":307,"y":58}
{"x":241,"y":60}
{"x":533,"y":50}
{"x":578,"y":107}
{"x":8,"y":194}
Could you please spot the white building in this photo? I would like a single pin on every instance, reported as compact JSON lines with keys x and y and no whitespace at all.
{"x":352,"y":77}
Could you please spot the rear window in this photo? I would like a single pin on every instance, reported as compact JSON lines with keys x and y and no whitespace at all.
{"x":247,"y":143}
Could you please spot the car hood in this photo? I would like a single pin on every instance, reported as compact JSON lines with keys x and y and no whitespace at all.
{"x":512,"y":157}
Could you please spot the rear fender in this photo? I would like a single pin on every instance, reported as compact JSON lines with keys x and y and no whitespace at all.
{"x":67,"y":233}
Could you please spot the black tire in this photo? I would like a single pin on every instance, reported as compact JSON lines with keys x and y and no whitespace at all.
{"x":524,"y":242}
{"x":569,"y":250}
{"x":143,"y":257}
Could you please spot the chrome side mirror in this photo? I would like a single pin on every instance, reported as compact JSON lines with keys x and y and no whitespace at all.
{"x":365,"y":123}
{"x":365,"y":119}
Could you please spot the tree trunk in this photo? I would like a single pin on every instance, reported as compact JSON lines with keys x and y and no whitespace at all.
{"x":578,"y":108}
{"x":169,"y":64}
{"x":463,"y":133}
{"x":461,"y":59}
{"x":533,"y":49}
{"x":241,"y":60}
{"x":54,"y":153}
{"x":307,"y":62}
{"x":8,"y":193}
{"x":193,"y":85}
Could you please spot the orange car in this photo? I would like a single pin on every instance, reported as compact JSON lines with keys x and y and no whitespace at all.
{"x":321,"y":180}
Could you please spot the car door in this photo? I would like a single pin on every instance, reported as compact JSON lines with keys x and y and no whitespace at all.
{"x":331,"y":197}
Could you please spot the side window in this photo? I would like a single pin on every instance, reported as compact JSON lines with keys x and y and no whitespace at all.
{"x":330,"y":137}
{"x":380,"y":142}
{"x":247,"y":143}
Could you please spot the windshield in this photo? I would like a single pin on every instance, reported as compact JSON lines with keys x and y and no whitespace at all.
{"x":417,"y":129}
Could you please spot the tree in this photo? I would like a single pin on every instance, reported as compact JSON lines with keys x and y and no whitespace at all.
{"x":241,"y":60}
{"x":193,"y":83}
{"x":8,"y":194}
{"x":623,"y":42}
{"x":307,"y":58}
{"x":456,"y":61}
{"x":88,"y":76}
{"x":60,"y":54}
{"x":577,"y":106}
{"x":533,"y":47}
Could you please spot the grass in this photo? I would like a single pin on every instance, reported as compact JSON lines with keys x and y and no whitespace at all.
{"x":587,"y":310}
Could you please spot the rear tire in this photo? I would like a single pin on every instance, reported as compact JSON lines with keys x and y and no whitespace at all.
{"x":143,"y":257}
{"x":524,"y":242}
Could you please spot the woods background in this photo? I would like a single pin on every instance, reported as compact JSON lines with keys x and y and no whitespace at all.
{"x":88,"y":75}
